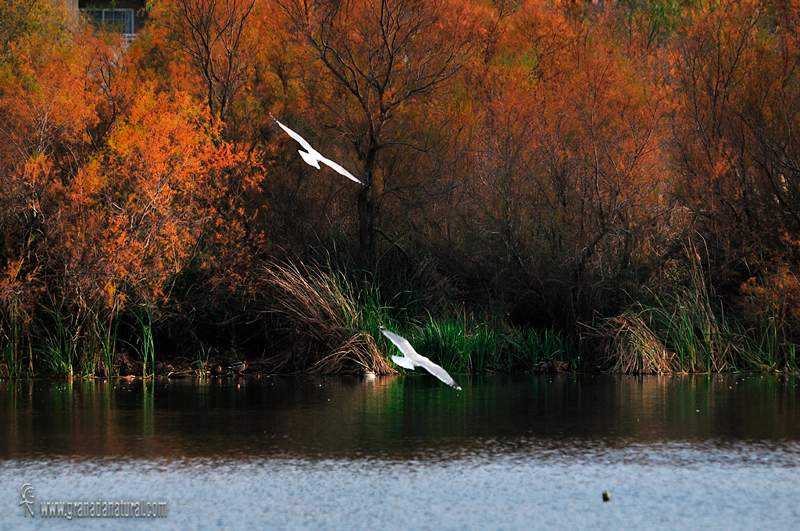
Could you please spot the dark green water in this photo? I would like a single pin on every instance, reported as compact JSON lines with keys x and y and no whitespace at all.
{"x":407,"y":452}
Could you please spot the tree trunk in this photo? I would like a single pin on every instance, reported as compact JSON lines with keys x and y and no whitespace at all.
{"x":366,"y":222}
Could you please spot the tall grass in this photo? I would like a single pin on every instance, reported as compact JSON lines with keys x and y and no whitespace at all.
{"x":463,"y":343}
{"x":15,"y":328}
{"x":459,"y":343}
{"x":102,"y":344}
{"x":146,"y":349}
{"x":11,"y":341}
{"x":631,"y":347}
{"x":444,"y":342}
{"x":327,"y":318}
{"x":82,"y":343}
{"x":531,"y":347}
{"x":486,"y":348}
{"x":331,"y":320}
{"x":58,"y":342}
{"x":681,"y":331}
{"x":771,"y":304}
{"x":696,"y":329}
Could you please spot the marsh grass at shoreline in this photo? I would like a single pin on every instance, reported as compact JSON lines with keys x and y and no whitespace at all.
{"x":327,"y":320}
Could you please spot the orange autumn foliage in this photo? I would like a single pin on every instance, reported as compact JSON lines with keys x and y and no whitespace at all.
{"x":138,"y":211}
{"x":519,"y":152}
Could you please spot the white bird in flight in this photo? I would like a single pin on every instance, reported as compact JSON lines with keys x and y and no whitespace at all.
{"x":413,"y":359}
{"x":314,"y":157}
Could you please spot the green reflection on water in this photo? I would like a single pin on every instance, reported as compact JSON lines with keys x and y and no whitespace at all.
{"x":395,"y":417}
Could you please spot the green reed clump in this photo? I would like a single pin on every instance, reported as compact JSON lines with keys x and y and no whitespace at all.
{"x":770,"y":309}
{"x":146,"y":346}
{"x":791,"y":357}
{"x":58,"y":345}
{"x":685,"y":330}
{"x":78,"y":341}
{"x":486,"y":348}
{"x":695,"y":328}
{"x":443,"y":342}
{"x":530,"y":347}
{"x":12,"y":339}
{"x":102,"y":344}
{"x":460,"y":344}
{"x":767,"y":347}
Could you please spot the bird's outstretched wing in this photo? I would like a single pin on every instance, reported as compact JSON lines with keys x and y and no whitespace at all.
{"x":413,"y":358}
{"x":437,"y":371}
{"x":297,"y":137}
{"x":317,"y":155}
{"x":338,"y":168}
{"x":400,"y":342}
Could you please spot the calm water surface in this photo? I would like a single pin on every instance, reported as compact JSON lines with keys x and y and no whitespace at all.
{"x":690,"y":452}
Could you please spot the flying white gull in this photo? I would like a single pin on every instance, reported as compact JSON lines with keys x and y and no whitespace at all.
{"x":413,"y":359}
{"x":313,"y":157}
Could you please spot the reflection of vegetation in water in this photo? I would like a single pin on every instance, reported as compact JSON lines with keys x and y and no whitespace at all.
{"x":415,"y":405}
{"x":148,"y":412}
{"x":412,"y":416}
{"x":381,"y":415}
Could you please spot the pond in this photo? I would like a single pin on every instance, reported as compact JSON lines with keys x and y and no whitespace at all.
{"x":403,"y":452}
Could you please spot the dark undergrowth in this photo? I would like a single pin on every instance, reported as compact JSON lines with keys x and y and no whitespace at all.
{"x":324,"y":317}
